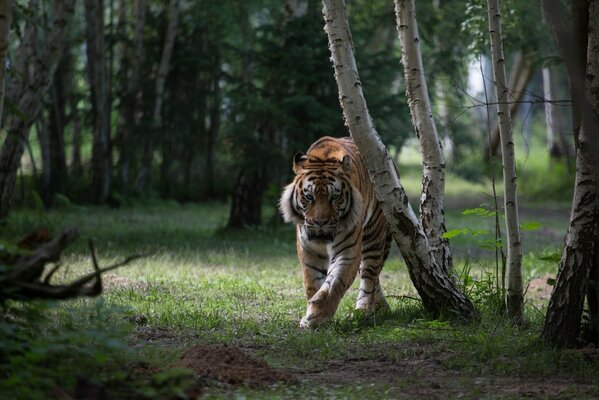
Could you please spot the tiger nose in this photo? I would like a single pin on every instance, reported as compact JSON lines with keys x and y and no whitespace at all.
{"x":321,"y":222}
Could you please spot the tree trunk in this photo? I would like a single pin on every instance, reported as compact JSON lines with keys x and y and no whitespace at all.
{"x":432,"y":199}
{"x":579,"y":261}
{"x":5,"y":17}
{"x":131,"y":61}
{"x":163,"y":68}
{"x":246,"y":209}
{"x":43,"y":135}
{"x":520,"y":74}
{"x":57,"y":120}
{"x":98,"y":80}
{"x":438,"y":291}
{"x":555,"y":145}
{"x":26,"y":91}
{"x":215,"y":119}
{"x":514,"y":290}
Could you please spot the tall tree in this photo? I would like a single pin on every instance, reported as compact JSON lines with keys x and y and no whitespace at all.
{"x":432,"y":199}
{"x":100,"y":95}
{"x":37,"y":63}
{"x":131,"y":59}
{"x":5,"y":17}
{"x":438,"y":291}
{"x":514,"y":291}
{"x":556,"y":141}
{"x":161,"y":74}
{"x":579,"y":265}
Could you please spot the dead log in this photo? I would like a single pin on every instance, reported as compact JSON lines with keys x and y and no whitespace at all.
{"x":23,"y":274}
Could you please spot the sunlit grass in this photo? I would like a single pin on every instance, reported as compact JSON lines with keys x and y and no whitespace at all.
{"x":201,"y":284}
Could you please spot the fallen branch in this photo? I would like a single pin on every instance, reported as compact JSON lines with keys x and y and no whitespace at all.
{"x":22,"y":275}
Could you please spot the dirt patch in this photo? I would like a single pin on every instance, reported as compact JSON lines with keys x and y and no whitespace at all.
{"x":230,"y":365}
{"x":425,"y":377}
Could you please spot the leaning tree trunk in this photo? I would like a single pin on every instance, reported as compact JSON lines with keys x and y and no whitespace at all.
{"x":96,"y":66}
{"x":5,"y":17}
{"x":432,"y":199}
{"x":514,"y":290}
{"x":438,"y":292}
{"x":520,"y":75}
{"x":579,"y":261}
{"x":163,"y":68}
{"x":26,"y":91}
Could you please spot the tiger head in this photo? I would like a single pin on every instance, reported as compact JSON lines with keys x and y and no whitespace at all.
{"x":321,"y":198}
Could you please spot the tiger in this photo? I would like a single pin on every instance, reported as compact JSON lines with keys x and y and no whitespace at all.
{"x":340,"y":228}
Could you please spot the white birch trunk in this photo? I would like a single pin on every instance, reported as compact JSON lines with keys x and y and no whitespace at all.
{"x":580,"y":261}
{"x":438,"y":292}
{"x":432,"y":198}
{"x":5,"y":17}
{"x":555,"y":128}
{"x":514,"y":291}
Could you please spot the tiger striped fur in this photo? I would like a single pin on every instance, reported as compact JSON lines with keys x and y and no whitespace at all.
{"x":341,"y":229}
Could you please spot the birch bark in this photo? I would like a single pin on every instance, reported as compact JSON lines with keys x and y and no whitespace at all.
{"x":579,"y":262}
{"x":26,"y":91}
{"x":514,"y":291}
{"x":432,"y":217}
{"x":437,"y":291}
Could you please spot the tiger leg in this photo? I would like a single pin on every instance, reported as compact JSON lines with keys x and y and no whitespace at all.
{"x":315,"y":261}
{"x":340,"y":275}
{"x":375,"y":251}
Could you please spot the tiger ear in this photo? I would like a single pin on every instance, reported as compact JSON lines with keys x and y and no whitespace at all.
{"x":346,"y":164}
{"x":298,"y":162}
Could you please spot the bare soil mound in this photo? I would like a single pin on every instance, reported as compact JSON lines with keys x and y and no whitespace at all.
{"x":230,"y":365}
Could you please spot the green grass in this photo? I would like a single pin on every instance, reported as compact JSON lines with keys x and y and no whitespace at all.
{"x":201,"y":284}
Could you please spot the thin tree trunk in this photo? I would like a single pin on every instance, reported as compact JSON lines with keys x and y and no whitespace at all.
{"x":130,"y":65}
{"x":5,"y":17}
{"x":553,"y":119}
{"x":246,"y":207}
{"x":520,"y":75}
{"x":26,"y":91}
{"x":215,"y":119}
{"x":514,"y":290}
{"x":96,"y":66}
{"x":73,"y":99}
{"x":437,"y":290}
{"x":43,"y":136}
{"x":56,"y":125}
{"x":163,"y":68}
{"x":432,"y":199}
{"x":579,"y":259}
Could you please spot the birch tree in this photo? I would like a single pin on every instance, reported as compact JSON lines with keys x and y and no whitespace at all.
{"x":437,"y":291}
{"x":556,"y":143}
{"x":163,"y":68}
{"x":514,"y":291}
{"x":432,"y":199}
{"x":5,"y":17}
{"x":579,"y":265}
{"x":26,"y":90}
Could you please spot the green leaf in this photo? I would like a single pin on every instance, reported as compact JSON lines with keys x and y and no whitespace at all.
{"x":482,"y":212}
{"x":530,"y":226}
{"x":551,"y":281}
{"x":454,"y":233}
{"x":554,"y":258}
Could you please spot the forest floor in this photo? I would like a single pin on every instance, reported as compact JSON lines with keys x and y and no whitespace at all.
{"x":216,"y":314}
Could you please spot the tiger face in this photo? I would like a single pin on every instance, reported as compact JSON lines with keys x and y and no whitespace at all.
{"x":320,"y":198}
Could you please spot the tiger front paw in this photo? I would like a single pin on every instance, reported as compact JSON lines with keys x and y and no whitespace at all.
{"x":314,"y":321}
{"x":318,"y":312}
